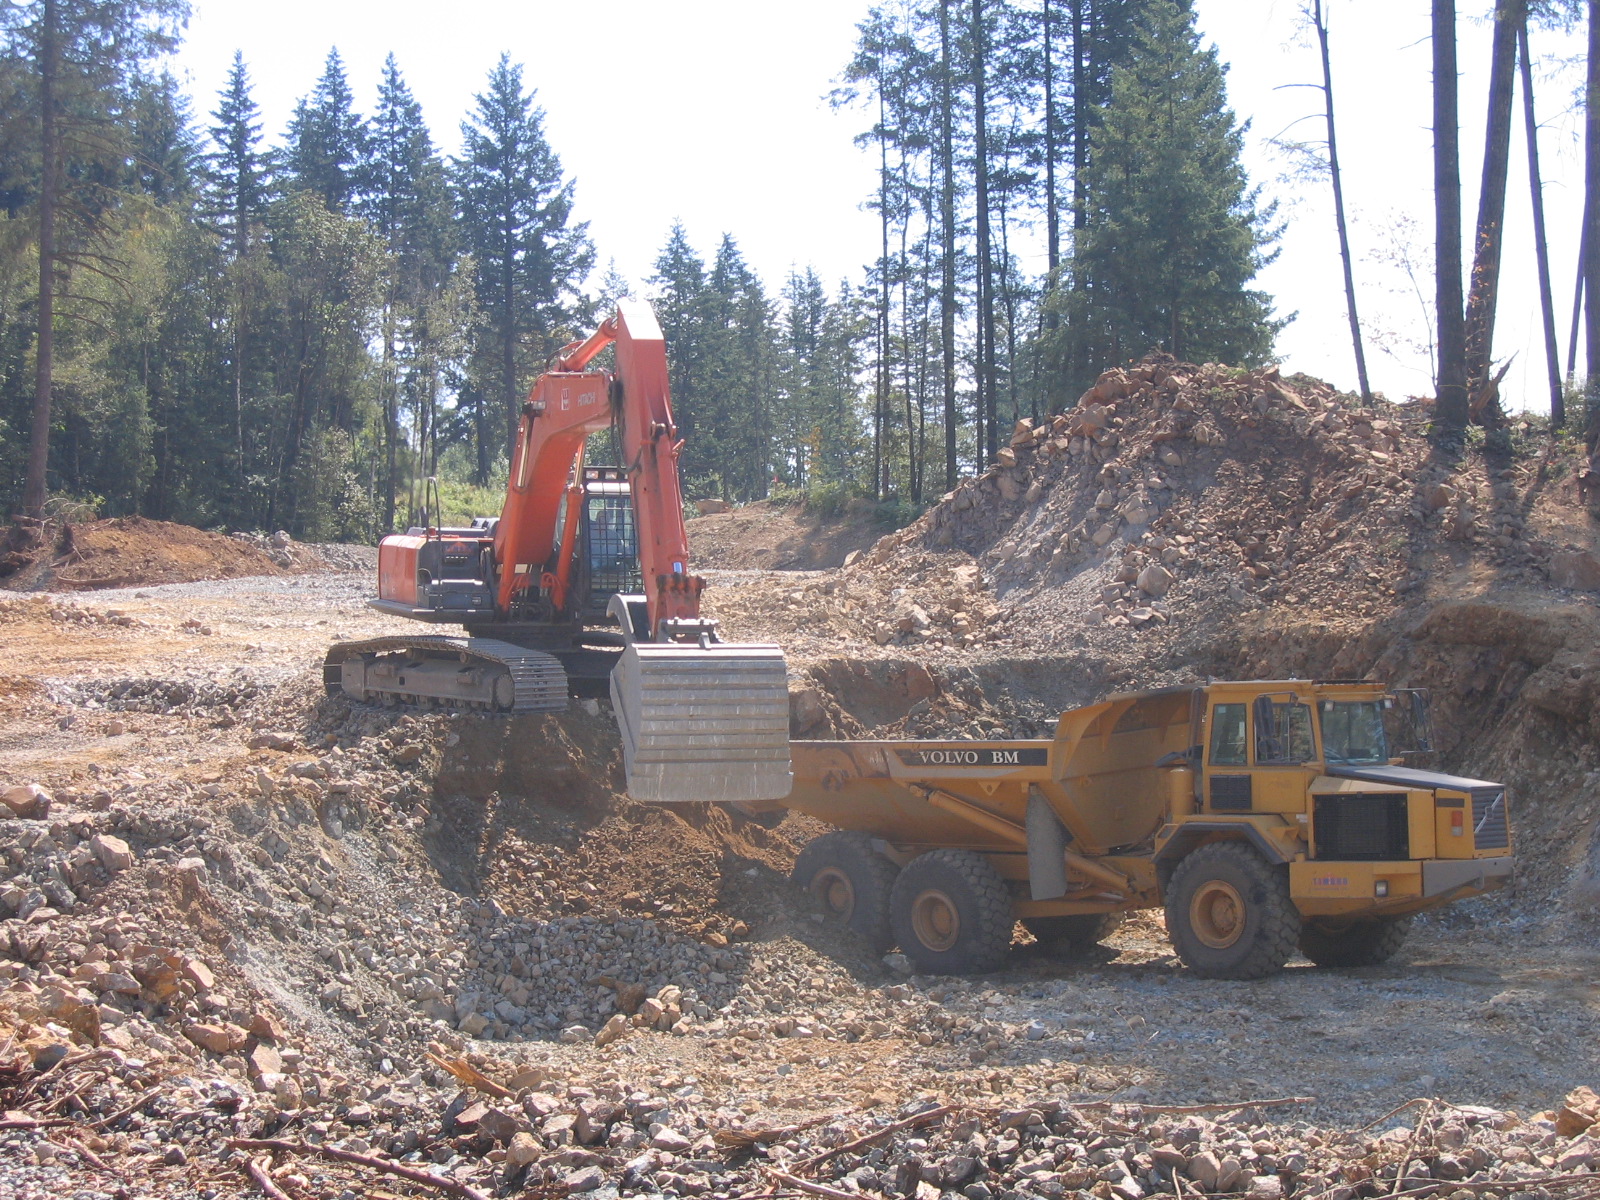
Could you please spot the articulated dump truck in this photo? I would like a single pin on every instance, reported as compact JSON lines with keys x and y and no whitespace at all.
{"x":1264,"y":817}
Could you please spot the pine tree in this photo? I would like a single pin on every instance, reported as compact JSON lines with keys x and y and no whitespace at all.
{"x":237,"y":170}
{"x":78,"y":57}
{"x":165,"y":152}
{"x":407,"y":202}
{"x":1174,"y":233}
{"x":532,"y":259}
{"x":679,"y":283}
{"x":327,"y":153}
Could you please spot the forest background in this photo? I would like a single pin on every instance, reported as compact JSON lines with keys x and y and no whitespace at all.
{"x":262,"y":323}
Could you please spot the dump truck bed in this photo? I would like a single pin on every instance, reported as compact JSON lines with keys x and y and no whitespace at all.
{"x":1097,"y":775}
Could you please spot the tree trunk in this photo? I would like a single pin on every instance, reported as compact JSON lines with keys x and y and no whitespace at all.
{"x":1558,"y":400}
{"x":1450,"y":413}
{"x":947,"y":243}
{"x":33,"y":488}
{"x":391,"y":417}
{"x":1591,"y":237}
{"x":1481,"y":298}
{"x":985,"y":290}
{"x":1052,"y":215}
{"x":880,"y":404}
{"x":1320,"y":20}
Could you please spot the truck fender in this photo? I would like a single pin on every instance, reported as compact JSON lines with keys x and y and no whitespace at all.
{"x":1192,"y":833}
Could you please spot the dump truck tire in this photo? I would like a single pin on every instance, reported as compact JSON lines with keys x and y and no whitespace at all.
{"x":951,"y":914}
{"x":1354,"y":944}
{"x":1229,"y":913}
{"x":1072,"y":936}
{"x":851,"y":881}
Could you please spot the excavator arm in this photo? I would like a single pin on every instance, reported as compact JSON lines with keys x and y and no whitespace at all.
{"x":567,"y":404}
{"x":700,"y":719}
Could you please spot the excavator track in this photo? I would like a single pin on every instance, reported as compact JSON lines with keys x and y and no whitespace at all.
{"x":457,"y":672}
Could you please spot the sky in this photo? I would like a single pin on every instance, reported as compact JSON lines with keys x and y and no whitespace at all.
{"x":715,"y":113}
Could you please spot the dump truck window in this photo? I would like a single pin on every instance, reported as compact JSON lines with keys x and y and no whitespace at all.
{"x":1285,"y":735}
{"x":1353,"y":732}
{"x":1227,"y":735}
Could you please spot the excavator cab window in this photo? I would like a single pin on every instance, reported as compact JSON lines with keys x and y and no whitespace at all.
{"x":610,"y":539}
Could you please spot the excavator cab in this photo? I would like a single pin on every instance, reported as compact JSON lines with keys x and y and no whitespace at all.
{"x":609,"y":539}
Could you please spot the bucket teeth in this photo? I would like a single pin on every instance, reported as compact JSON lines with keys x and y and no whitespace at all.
{"x":703,"y":723}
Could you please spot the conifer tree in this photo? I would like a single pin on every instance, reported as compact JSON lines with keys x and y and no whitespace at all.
{"x":1174,"y":233}
{"x":237,"y":170}
{"x":516,"y":209}
{"x":78,"y":57}
{"x":408,"y":203}
{"x":327,"y":152}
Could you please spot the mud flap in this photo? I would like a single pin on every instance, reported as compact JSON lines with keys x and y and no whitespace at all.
{"x":703,"y":724}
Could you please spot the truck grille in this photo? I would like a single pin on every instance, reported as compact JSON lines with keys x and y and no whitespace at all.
{"x":1491,"y":825}
{"x":1362,"y":827}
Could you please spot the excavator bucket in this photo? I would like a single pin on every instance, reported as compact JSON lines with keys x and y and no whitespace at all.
{"x":703,"y":723}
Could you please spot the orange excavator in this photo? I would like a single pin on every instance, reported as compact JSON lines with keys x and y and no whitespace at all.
{"x":577,"y":548}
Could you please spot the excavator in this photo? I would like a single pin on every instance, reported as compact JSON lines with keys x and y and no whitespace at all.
{"x":582,"y":584}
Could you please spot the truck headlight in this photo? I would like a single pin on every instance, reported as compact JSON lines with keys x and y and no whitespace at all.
{"x":1381,"y":888}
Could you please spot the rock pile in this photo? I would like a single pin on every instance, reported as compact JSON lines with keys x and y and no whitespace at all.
{"x":1176,"y":494}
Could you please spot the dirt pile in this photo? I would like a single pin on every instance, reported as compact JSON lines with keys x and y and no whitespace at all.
{"x":136,"y":552}
{"x":1177,"y":495}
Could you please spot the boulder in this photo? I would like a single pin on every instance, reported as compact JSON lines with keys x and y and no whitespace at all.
{"x":28,"y":801}
{"x":1155,"y":580}
{"x":113,"y":852}
{"x":710,"y":507}
{"x":612,"y":1030}
{"x":1575,"y":569}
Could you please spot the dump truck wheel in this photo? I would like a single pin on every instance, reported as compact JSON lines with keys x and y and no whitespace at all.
{"x":951,"y":914}
{"x":1355,"y":943}
{"x":852,"y":881}
{"x":1229,"y":913}
{"x":1071,"y":936}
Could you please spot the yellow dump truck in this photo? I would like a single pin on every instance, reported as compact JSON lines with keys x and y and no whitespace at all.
{"x":1263,"y":816}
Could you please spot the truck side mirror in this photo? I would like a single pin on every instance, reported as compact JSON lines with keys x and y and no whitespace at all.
{"x":1421,"y":721}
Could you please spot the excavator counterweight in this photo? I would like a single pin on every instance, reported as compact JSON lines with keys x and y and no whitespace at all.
{"x":700,"y":719}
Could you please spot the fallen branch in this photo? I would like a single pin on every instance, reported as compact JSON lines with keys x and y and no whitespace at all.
{"x":469,"y":1075}
{"x":36,"y":1123}
{"x":264,"y":1181}
{"x":816,"y":1189}
{"x":911,"y":1122}
{"x":426,"y":1178}
{"x":90,"y":1157}
{"x":127,"y":1110}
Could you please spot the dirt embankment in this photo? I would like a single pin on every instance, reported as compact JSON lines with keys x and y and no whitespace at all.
{"x":770,"y":536}
{"x":125,"y":552}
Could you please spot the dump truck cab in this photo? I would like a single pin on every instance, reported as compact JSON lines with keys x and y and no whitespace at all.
{"x":1314,"y":773}
{"x":1264,"y":816}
